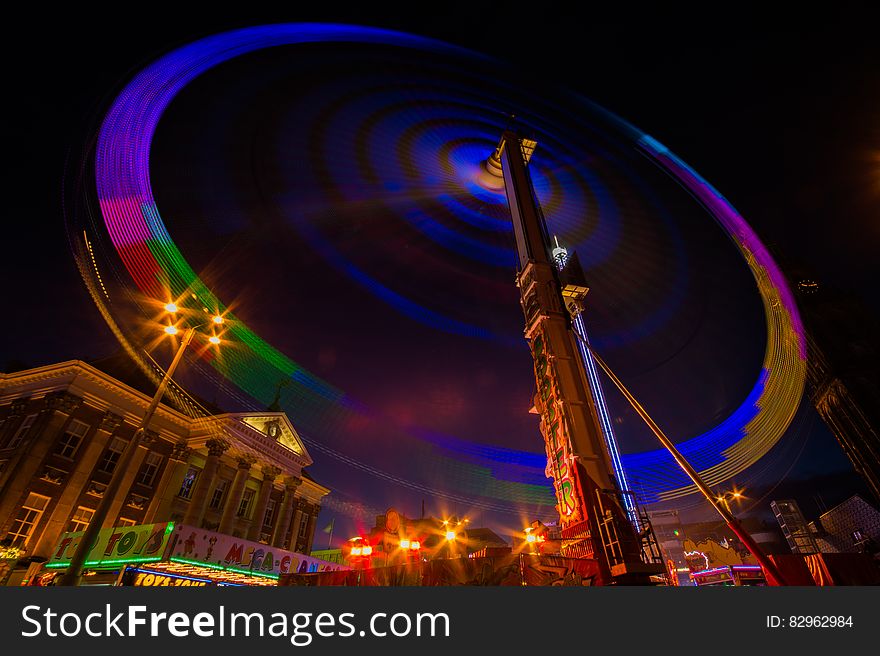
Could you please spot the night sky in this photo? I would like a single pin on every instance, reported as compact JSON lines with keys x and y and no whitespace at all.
{"x":779,"y":115}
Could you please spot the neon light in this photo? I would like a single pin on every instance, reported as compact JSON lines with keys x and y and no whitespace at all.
{"x":730,"y":569}
{"x":101,"y":563}
{"x":605,"y":419}
{"x":169,"y":575}
{"x":237,"y":570}
{"x":697,"y":553}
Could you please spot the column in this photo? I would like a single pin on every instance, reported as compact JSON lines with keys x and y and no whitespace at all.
{"x":76,"y":483}
{"x":169,"y":484}
{"x":148,"y":440}
{"x":22,"y":468}
{"x":310,"y":531}
{"x":282,"y":524}
{"x":270,"y":473}
{"x":298,"y":514}
{"x":196,"y":511}
{"x":233,"y":497}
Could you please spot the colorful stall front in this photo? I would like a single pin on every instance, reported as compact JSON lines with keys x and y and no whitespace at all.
{"x":170,"y":554}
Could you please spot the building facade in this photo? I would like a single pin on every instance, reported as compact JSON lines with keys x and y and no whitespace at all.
{"x":850,"y":527}
{"x":843,"y":372}
{"x":64,"y":426}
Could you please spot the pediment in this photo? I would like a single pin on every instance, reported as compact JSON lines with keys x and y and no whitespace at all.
{"x":277,"y":426}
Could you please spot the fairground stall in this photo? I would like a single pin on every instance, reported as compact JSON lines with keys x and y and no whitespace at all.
{"x":170,"y":554}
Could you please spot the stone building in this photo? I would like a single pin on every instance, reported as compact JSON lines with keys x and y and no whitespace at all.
{"x":63,"y":427}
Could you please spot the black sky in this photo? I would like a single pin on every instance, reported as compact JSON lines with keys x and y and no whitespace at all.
{"x":779,"y":112}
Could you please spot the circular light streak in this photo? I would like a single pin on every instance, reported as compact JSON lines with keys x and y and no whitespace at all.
{"x":138,"y":234}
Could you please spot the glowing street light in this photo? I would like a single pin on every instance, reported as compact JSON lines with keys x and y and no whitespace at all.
{"x":74,"y":572}
{"x":450,"y":536}
{"x":217,"y":319}
{"x":214,"y":339}
{"x":725,"y":497}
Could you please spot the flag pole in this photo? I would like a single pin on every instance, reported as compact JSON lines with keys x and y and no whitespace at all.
{"x":330,"y":539}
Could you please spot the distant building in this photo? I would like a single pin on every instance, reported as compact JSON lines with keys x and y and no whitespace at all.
{"x":64,"y":426}
{"x":801,"y":539}
{"x":670,"y":536}
{"x":843,"y":372}
{"x":481,"y":538}
{"x":850,"y":527}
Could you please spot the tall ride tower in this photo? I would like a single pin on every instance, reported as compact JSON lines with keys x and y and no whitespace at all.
{"x":590,"y":502}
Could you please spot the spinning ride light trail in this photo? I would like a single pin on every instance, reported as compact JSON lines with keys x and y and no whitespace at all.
{"x":138,"y":234}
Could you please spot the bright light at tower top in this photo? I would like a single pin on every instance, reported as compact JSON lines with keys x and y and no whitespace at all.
{"x":217,"y":318}
{"x":171,"y":307}
{"x":560,"y":254}
{"x":171,"y":330}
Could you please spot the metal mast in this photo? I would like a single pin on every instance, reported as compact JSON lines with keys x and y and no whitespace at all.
{"x":591,"y":506}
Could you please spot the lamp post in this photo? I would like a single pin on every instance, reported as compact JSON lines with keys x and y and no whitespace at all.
{"x":73,"y":575}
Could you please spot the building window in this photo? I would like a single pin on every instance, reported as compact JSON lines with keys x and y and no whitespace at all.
{"x":72,"y":438}
{"x":18,"y":438}
{"x":80,"y":519}
{"x":302,"y":526}
{"x":111,"y":455}
{"x":124,"y":521}
{"x":27,"y":519}
{"x":244,"y":507}
{"x":189,"y":483}
{"x":149,"y":469}
{"x":269,"y":515}
{"x":217,"y":496}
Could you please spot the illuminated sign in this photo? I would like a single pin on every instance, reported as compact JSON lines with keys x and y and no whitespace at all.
{"x":197,"y":546}
{"x":556,"y":439}
{"x":116,"y":546}
{"x":145,"y":579}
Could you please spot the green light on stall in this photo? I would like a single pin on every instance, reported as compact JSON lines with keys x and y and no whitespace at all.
{"x":225,"y":569}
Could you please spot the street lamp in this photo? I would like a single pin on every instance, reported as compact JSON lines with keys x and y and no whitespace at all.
{"x":725,"y":497}
{"x":74,"y":572}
